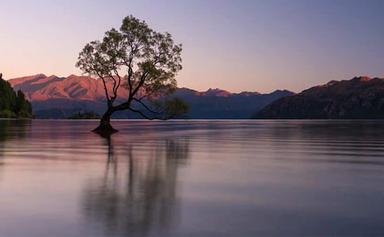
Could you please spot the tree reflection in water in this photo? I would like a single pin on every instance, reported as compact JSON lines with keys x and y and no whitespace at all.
{"x":138,"y":196}
{"x":12,"y":131}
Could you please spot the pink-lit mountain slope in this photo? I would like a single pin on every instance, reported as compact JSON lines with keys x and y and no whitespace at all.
{"x":41,"y":88}
{"x":59,"y":97}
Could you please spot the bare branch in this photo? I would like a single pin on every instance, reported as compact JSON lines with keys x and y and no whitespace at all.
{"x":113,"y":86}
{"x":130,"y":74}
{"x":141,"y":83}
{"x":145,"y":116}
{"x":116,"y":86}
{"x":146,"y":107}
{"x":105,"y":87}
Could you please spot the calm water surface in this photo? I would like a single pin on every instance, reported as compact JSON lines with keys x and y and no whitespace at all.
{"x":192,"y":178}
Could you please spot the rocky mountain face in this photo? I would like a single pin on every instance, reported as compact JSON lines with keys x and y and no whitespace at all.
{"x":60,"y":97}
{"x":360,"y":97}
{"x":41,"y":88}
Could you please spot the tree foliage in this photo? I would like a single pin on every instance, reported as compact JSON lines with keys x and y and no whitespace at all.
{"x":13,"y":104}
{"x":140,"y":59}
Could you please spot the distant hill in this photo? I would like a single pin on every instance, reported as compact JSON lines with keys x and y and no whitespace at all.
{"x":13,"y":104}
{"x":61,"y":97}
{"x":216,"y":103}
{"x":358,"y":98}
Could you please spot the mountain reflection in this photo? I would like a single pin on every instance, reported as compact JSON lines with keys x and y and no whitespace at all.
{"x":137,"y":193}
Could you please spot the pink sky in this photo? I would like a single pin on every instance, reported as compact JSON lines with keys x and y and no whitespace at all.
{"x":233,"y":45}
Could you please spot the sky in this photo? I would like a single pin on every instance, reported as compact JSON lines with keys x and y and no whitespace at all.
{"x":238,"y":45}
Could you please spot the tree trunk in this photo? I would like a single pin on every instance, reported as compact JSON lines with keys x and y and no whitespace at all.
{"x":105,"y":128}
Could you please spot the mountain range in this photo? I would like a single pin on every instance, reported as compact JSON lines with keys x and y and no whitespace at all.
{"x":61,"y":97}
{"x":358,"y":98}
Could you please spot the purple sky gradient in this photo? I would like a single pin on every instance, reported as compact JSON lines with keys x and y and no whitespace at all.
{"x":255,"y":45}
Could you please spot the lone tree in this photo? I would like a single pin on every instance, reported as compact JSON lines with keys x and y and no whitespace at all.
{"x":143,"y":61}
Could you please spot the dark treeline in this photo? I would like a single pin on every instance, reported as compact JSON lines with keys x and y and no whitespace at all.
{"x":85,"y":115}
{"x":13,"y":104}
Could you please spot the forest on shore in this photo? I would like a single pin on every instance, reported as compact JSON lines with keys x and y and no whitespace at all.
{"x":13,"y":104}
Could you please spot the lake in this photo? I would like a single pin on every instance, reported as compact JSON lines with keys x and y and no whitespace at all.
{"x":192,"y":178}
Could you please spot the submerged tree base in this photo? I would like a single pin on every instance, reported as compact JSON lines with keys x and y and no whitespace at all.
{"x":105,"y":130}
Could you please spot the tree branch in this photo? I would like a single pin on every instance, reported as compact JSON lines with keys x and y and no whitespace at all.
{"x":130,"y":74}
{"x":141,"y":83}
{"x":116,"y":86}
{"x":105,"y":88}
{"x":113,"y":87}
{"x":133,"y":51}
{"x":146,"y":107}
{"x":145,"y":116}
